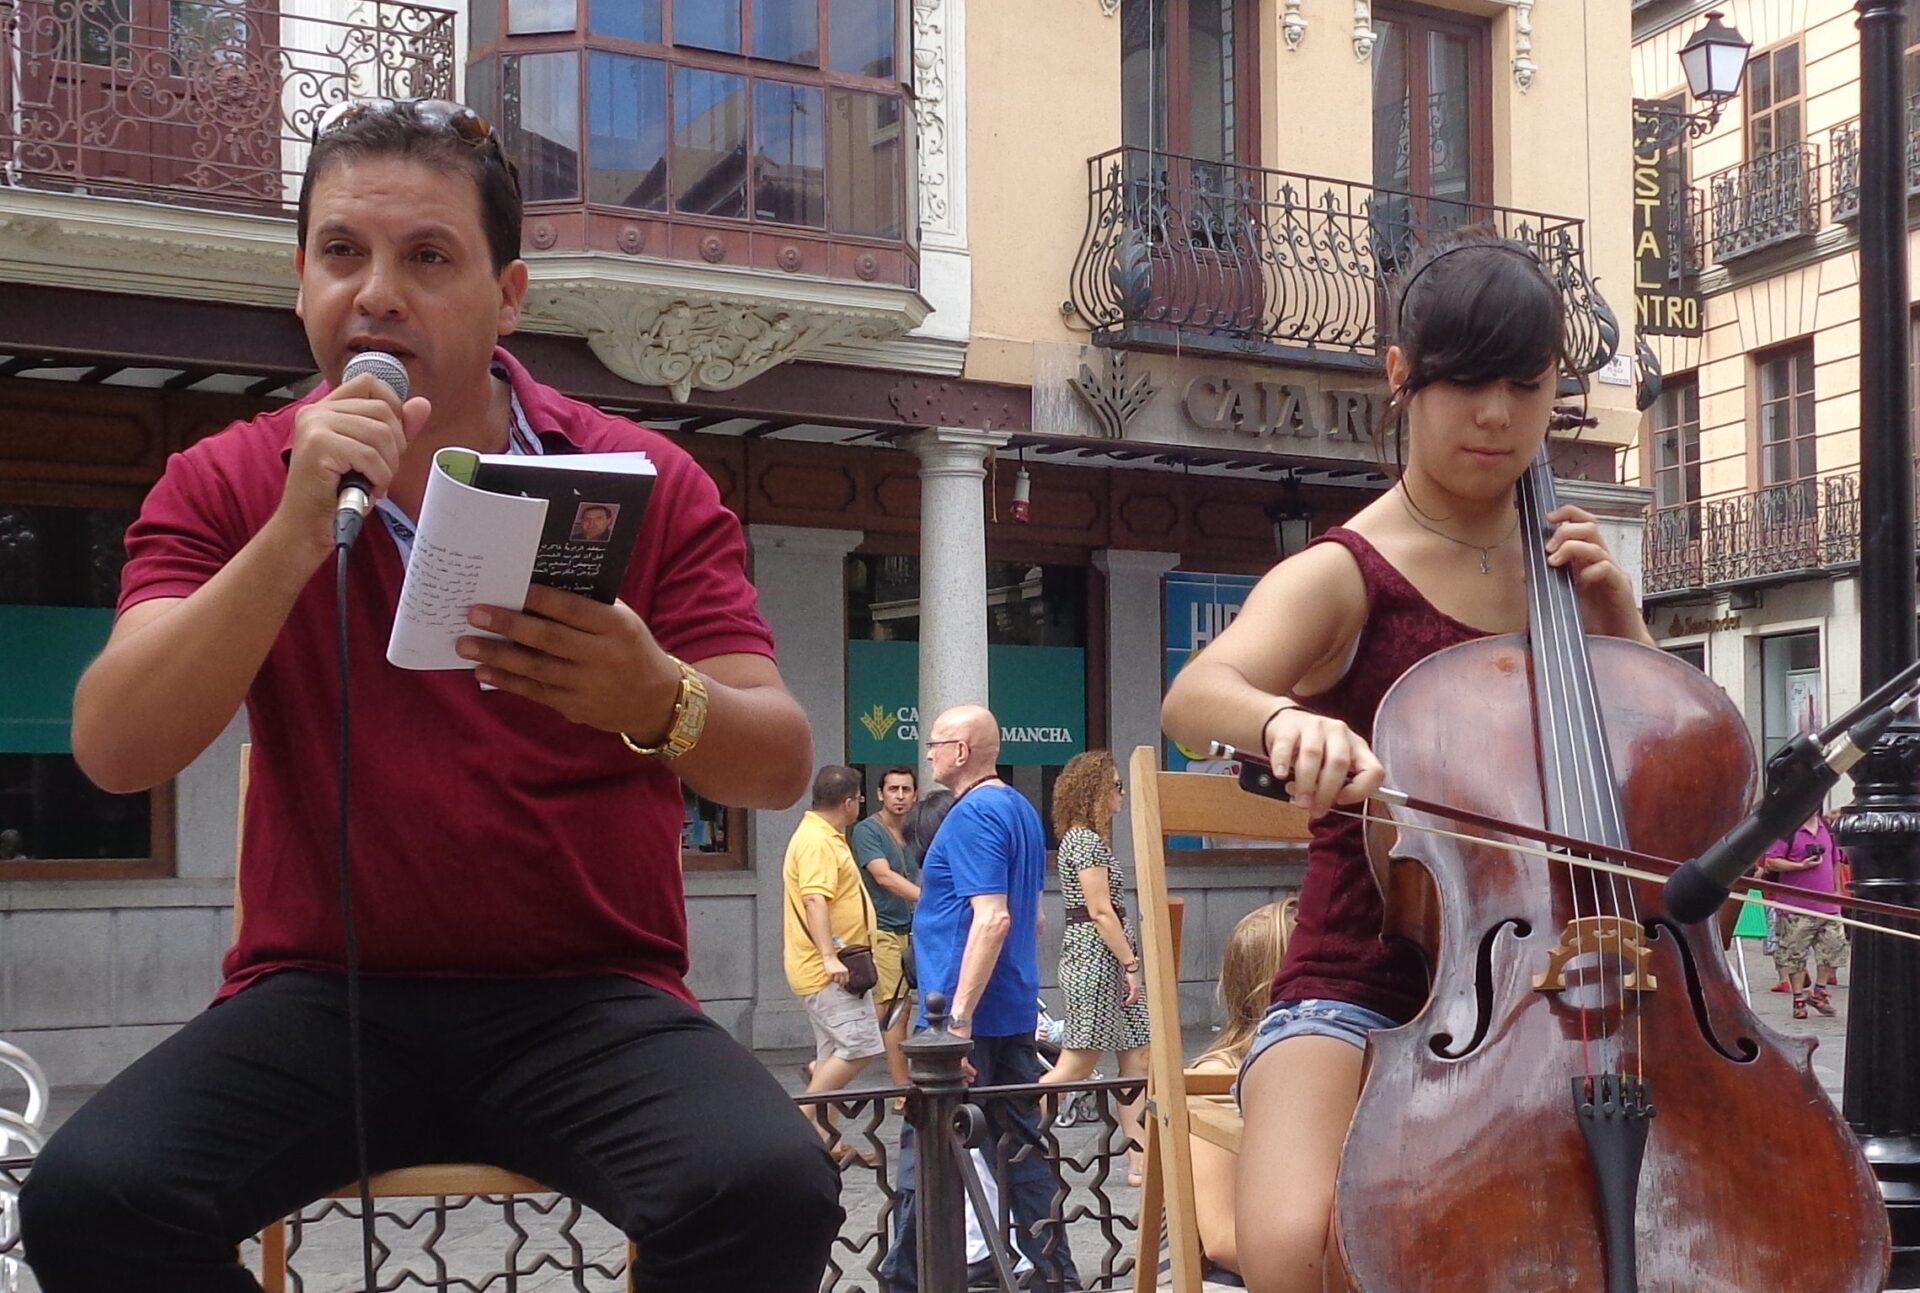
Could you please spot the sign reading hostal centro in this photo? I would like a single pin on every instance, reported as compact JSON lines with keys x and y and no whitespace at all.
{"x":1039,"y":694}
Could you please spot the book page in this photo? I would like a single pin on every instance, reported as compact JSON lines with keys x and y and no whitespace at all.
{"x":472,"y":548}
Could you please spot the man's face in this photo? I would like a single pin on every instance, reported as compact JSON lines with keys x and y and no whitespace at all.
{"x":396,"y":259}
{"x":945,"y":753}
{"x":897,"y":793}
{"x":595,"y":522}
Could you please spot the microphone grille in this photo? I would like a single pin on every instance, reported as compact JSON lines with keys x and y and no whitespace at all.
{"x":381,"y":365}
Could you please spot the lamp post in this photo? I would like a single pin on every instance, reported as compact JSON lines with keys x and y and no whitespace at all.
{"x":1881,"y":827}
{"x":1715,"y":61}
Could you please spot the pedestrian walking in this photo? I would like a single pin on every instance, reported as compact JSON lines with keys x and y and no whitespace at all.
{"x":889,"y":867}
{"x":1100,"y":972}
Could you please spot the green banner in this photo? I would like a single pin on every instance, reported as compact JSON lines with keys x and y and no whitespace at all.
{"x":1039,"y":694}
{"x":43,"y":651}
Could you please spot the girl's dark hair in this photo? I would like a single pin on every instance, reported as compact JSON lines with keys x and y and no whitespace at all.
{"x":1472,"y":308}
{"x":400,"y":132}
{"x":925,"y":818}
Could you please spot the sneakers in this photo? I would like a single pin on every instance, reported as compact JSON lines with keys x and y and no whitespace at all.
{"x":1800,"y":1005}
{"x":1783,"y":986}
{"x":1819,"y":1000}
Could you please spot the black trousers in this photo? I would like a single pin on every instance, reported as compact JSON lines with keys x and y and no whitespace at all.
{"x":609,"y":1091}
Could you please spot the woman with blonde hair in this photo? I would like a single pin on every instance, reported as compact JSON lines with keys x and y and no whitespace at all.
{"x":1254,"y":952}
{"x":1099,"y":951}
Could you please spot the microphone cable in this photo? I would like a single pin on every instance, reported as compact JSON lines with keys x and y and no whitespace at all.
{"x":355,"y":1065}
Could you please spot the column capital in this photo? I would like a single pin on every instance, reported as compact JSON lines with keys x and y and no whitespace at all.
{"x":1605,"y":499}
{"x":1130,"y":561}
{"x":803,"y":539}
{"x":954,"y":451}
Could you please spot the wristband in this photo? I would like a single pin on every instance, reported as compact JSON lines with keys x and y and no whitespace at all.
{"x":1278,"y":710}
{"x":1131,"y":967}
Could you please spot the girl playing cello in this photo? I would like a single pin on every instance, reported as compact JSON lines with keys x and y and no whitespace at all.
{"x":1480,"y":345}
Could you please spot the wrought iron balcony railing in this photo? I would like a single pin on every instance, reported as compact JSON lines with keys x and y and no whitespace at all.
{"x":1803,"y":527}
{"x":1242,"y":260}
{"x":1843,"y":146}
{"x":1763,"y":203}
{"x":201,"y":104}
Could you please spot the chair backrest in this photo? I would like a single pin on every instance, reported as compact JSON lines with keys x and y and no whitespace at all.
{"x":1182,"y":803}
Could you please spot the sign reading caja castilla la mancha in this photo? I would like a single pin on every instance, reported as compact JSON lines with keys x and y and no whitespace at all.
{"x":1038,"y":693}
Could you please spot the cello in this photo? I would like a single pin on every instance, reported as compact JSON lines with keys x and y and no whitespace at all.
{"x":1586,"y":1102}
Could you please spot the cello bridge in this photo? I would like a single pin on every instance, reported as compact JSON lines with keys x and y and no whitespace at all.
{"x":1605,"y":937}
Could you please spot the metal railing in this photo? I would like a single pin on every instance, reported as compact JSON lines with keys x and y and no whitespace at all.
{"x":203,"y":104}
{"x":486,"y":1243}
{"x":1244,"y":260}
{"x":1843,"y":148}
{"x":1804,"y":527}
{"x":1762,"y":203}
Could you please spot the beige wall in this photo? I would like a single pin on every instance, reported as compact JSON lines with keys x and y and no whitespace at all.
{"x":1044,"y":95}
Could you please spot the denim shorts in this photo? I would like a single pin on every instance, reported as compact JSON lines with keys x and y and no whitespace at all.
{"x":1310,"y":1017}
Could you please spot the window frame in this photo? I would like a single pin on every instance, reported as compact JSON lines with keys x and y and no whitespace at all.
{"x":1688,"y":470}
{"x":582,"y":42}
{"x":1480,"y":150}
{"x":1774,"y":106}
{"x":1246,"y":74}
{"x":1788,"y":351}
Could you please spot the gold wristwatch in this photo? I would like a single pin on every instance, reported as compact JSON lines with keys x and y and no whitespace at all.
{"x":689,"y":719}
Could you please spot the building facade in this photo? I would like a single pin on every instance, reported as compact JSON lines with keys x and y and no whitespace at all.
{"x":1753,"y":445}
{"x":1021,"y":337}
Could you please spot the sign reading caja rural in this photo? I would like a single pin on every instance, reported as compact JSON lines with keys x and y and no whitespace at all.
{"x":1039,"y":694}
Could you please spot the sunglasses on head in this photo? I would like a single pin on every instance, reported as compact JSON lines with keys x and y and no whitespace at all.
{"x":444,"y":115}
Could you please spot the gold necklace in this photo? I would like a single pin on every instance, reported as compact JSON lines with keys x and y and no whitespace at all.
{"x":1486,"y":553}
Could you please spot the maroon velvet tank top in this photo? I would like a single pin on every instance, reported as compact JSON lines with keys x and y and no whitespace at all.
{"x":1337,"y":950}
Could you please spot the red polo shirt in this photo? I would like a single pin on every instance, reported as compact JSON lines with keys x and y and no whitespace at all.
{"x":491,"y":838}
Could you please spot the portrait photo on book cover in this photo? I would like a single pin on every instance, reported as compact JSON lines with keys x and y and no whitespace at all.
{"x":593,"y":522}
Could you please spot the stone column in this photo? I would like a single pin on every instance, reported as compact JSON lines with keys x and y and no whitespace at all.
{"x":1135,"y":647}
{"x":953,"y":569}
{"x":801,"y":575}
{"x":1622,"y":512}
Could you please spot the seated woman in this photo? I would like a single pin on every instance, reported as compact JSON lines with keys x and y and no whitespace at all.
{"x":1254,"y":951}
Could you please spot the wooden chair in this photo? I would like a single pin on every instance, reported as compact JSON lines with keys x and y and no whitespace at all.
{"x":436,"y":1180}
{"x":1182,"y":1103}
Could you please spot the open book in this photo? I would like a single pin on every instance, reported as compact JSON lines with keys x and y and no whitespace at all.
{"x":491,"y":525}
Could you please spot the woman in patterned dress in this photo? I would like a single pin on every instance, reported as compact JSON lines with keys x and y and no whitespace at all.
{"x":1099,"y":952}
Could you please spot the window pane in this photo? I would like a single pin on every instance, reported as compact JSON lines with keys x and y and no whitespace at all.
{"x":1392,"y":111}
{"x":861,"y":37}
{"x":632,"y":19}
{"x":1786,"y":126}
{"x":1143,"y":73}
{"x":790,"y":181}
{"x":709,"y":142}
{"x":48,"y":809}
{"x":787,"y":30}
{"x":203,"y":36}
{"x":483,"y":90}
{"x":540,"y":123}
{"x":483,"y":23}
{"x":1449,"y":117}
{"x":864,"y":158}
{"x":1786,"y":73}
{"x":1210,"y":82}
{"x":710,"y":24}
{"x":1762,"y":136}
{"x":104,"y":29}
{"x":627,"y":131}
{"x":527,"y":17}
{"x":1760,"y":84}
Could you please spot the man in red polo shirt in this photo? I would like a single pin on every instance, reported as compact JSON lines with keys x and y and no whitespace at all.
{"x":514,"y":852}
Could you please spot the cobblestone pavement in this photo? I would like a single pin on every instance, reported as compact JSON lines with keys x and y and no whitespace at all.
{"x":330,"y":1260}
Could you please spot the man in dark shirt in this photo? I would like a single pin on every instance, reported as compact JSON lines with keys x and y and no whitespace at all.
{"x":891,"y":874}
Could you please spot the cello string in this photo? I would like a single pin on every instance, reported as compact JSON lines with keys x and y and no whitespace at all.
{"x":1547,"y":661}
{"x":1605,"y":795}
{"x":1364,"y":814}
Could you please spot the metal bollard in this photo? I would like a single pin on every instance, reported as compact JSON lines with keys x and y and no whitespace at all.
{"x":940,"y":1202}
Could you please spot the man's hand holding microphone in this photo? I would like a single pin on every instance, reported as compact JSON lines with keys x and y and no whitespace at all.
{"x":346,"y":451}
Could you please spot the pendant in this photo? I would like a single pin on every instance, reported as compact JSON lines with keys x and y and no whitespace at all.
{"x":1485,"y":569}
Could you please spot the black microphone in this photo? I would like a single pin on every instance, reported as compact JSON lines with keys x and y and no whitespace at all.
{"x":356,"y":492}
{"x":1798,"y":778}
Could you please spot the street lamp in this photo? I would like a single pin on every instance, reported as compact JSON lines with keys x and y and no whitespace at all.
{"x":1715,"y":62}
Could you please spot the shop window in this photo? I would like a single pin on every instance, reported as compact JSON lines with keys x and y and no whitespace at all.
{"x":1694,"y":653}
{"x":1793,"y":696}
{"x":1036,"y":662}
{"x":59,"y":578}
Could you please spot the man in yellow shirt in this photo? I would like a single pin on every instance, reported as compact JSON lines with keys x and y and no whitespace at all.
{"x":827,"y":909}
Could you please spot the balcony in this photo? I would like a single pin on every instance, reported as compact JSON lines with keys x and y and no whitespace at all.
{"x":1803,"y":528}
{"x":1243,"y":261}
{"x":208,"y":105}
{"x":1764,"y":203}
{"x":1843,"y":146}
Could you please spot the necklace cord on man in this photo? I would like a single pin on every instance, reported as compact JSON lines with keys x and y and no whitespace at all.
{"x":1486,"y":552}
